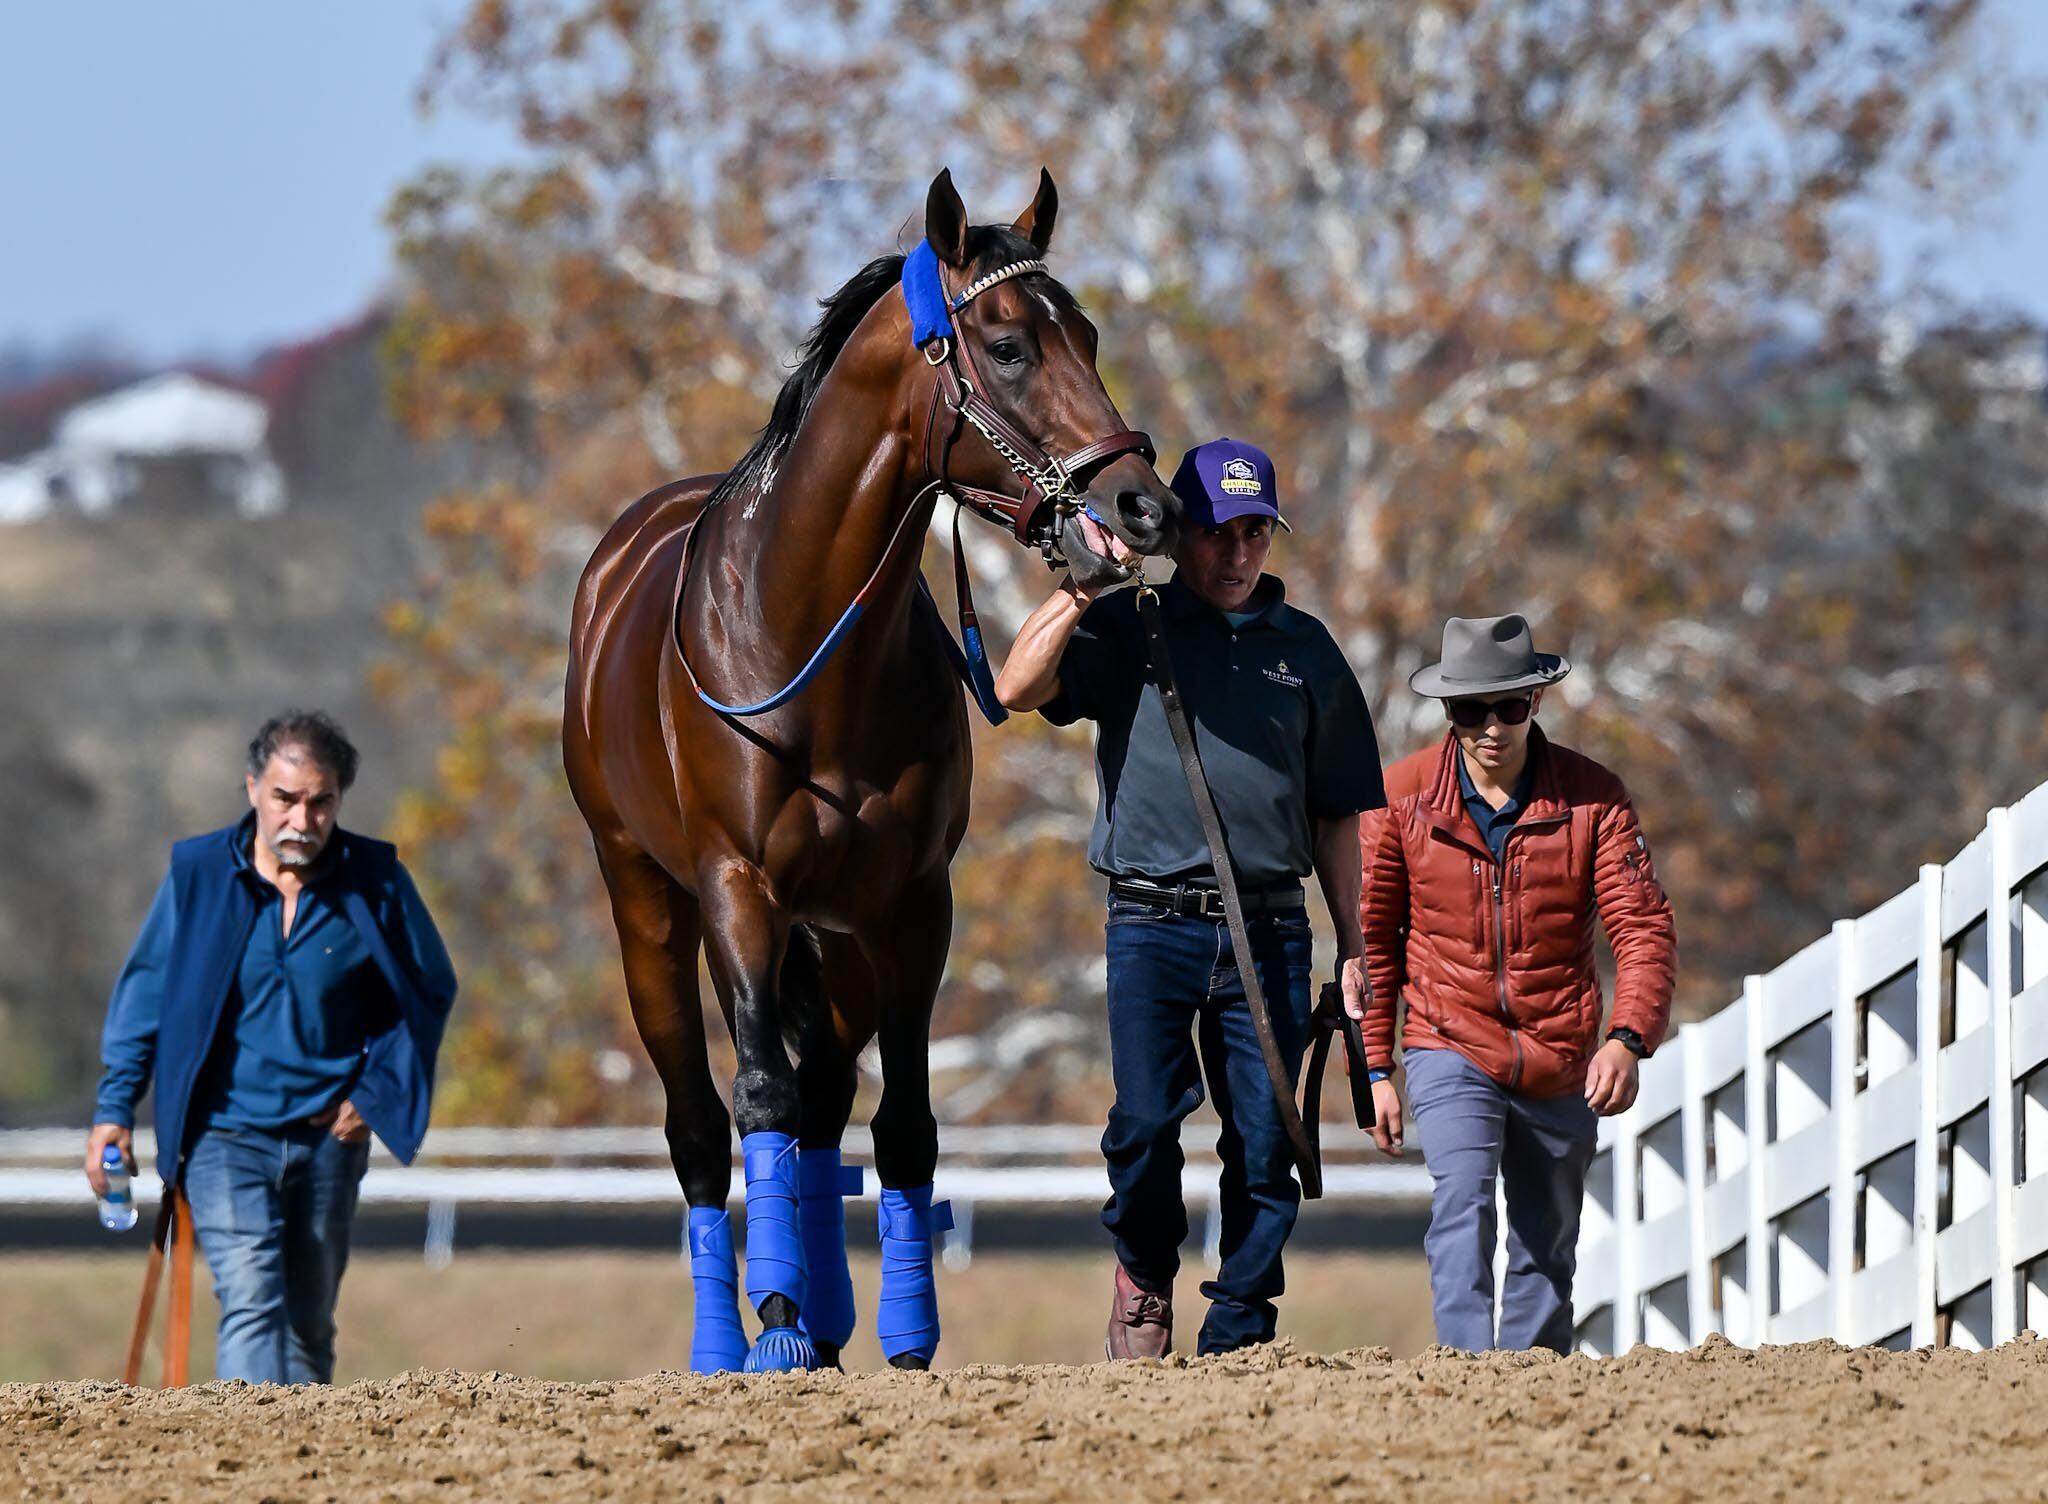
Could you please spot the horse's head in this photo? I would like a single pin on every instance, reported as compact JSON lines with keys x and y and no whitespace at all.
{"x":1023,"y":345}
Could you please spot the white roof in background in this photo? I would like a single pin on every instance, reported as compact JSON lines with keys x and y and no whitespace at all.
{"x":24,"y":490}
{"x":170,"y":414}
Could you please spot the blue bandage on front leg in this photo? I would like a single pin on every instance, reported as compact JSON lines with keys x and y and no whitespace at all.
{"x":821,"y":1183}
{"x":907,"y":1321}
{"x":718,"y":1342}
{"x":775,"y":1248}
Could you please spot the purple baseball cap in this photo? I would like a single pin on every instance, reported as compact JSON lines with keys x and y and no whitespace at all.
{"x":1227,"y":478}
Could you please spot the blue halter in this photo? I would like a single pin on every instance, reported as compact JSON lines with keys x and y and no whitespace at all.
{"x":931,"y":315}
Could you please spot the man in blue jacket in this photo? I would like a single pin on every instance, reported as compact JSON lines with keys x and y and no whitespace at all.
{"x":287,"y":993}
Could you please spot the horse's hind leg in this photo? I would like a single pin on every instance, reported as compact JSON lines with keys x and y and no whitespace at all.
{"x":658,"y":928}
{"x":906,"y":1133}
{"x":826,"y":1081}
{"x":746,"y":935}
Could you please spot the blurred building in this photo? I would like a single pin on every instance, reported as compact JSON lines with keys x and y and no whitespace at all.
{"x":174,"y":442}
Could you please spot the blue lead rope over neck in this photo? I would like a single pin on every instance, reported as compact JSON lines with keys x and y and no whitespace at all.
{"x":925,"y":296}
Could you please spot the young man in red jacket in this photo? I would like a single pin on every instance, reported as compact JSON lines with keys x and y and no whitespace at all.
{"x":1483,"y":877}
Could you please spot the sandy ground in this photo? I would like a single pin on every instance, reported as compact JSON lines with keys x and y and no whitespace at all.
{"x":1811,"y":1423}
{"x":609,"y":1315}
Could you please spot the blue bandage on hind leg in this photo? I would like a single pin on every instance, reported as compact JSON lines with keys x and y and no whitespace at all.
{"x":907,"y":1321}
{"x":821,"y":1183}
{"x":775,"y":1247}
{"x":718,"y":1342}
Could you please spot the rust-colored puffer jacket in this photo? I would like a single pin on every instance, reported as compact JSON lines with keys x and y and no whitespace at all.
{"x":1435,"y":908}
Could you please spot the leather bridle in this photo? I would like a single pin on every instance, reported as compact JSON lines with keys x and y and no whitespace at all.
{"x":1054,"y":486}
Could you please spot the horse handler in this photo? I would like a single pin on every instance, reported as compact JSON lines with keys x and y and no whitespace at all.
{"x":1482,"y":881}
{"x":288,"y":992}
{"x":1288,"y":747}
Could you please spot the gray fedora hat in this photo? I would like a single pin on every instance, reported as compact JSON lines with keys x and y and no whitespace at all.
{"x":1487,"y":655}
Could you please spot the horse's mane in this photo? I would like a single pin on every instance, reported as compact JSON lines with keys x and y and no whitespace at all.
{"x":989,"y":248}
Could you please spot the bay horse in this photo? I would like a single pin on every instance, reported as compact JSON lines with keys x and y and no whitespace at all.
{"x":804,"y":840}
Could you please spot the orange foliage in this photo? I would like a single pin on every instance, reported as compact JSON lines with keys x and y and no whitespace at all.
{"x":1561,"y":309}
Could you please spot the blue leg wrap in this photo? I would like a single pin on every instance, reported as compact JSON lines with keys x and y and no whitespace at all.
{"x":775,"y":1248}
{"x":718,"y":1342}
{"x":821,"y":1182}
{"x":908,"y":1319}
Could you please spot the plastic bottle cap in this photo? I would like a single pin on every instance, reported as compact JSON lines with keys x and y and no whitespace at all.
{"x":111,"y":1154}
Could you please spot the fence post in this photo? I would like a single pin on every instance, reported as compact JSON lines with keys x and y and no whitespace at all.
{"x":440,"y":1245}
{"x":1692,"y":1123}
{"x":1628,"y":1229}
{"x":1842,"y":1108}
{"x":2004,"y":1177}
{"x":1927,"y":1140}
{"x":1756,"y":1107}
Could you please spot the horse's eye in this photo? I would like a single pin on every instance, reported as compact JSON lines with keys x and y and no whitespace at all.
{"x":1007,"y":352}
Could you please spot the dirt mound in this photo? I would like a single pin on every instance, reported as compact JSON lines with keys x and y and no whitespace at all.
{"x":1812,"y":1422}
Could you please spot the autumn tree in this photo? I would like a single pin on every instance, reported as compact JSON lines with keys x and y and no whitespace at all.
{"x":1571,"y":308}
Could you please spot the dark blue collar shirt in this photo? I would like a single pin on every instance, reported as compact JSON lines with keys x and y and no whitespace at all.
{"x":1280,"y":721}
{"x":1494,"y":824}
{"x":303,"y":1006}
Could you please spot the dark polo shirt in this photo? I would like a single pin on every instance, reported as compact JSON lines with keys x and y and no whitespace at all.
{"x":1279,"y":718}
{"x":1494,"y":824}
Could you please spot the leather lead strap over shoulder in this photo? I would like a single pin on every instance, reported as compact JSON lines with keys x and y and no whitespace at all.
{"x":1299,"y":1139}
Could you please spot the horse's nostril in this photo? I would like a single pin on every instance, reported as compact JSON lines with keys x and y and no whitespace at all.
{"x":1140,"y":510}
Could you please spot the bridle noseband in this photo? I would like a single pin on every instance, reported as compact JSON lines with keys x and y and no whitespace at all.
{"x":1054,"y":487}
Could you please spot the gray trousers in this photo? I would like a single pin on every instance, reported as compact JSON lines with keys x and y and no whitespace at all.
{"x":1475,"y":1132}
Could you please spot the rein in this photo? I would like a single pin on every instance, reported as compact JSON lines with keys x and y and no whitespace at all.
{"x":1051,"y":484}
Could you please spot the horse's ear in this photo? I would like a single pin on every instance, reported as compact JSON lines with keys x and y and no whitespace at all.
{"x":945,"y":219}
{"x":1035,"y":223}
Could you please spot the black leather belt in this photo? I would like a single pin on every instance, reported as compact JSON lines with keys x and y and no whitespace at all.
{"x":1195,"y":901}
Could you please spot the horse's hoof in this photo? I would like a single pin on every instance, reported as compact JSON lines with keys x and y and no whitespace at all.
{"x":781,"y":1349}
{"x":828,"y":1355}
{"x":916,"y":1362}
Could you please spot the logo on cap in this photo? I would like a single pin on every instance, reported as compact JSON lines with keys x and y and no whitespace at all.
{"x":1240,"y":479}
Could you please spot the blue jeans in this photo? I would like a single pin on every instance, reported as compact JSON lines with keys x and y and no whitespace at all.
{"x":1174,"y":989}
{"x":271,"y":1208}
{"x":1473,"y":1131}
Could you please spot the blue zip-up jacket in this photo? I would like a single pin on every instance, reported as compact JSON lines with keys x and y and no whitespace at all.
{"x":170,"y":1001}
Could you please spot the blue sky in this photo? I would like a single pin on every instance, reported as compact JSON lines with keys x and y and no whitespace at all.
{"x":194,"y":177}
{"x":205,"y":178}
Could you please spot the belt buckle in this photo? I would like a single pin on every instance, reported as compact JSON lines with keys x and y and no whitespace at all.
{"x":1203,"y":907}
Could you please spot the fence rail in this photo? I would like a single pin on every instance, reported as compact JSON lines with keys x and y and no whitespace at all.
{"x":1857,"y":1147}
{"x":560,"y":1168}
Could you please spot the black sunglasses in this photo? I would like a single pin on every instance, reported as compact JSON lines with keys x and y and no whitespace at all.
{"x":1472,"y":714}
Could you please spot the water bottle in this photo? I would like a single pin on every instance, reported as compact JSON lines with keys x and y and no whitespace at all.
{"x":117,"y":1207}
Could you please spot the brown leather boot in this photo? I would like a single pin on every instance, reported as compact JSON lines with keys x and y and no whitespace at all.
{"x":1140,"y":1321}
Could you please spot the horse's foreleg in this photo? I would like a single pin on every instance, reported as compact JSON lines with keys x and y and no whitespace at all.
{"x":906,"y":1133}
{"x":826,"y":1080}
{"x":746,"y":937}
{"x":658,"y":928}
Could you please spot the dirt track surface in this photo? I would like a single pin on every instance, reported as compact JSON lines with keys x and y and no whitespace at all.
{"x":1719,"y":1423}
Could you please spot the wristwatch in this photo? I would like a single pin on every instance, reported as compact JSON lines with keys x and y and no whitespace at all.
{"x":1632,"y":1041}
{"x":1379,"y":1073}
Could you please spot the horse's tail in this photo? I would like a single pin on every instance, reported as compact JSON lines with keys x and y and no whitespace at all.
{"x":803,"y":983}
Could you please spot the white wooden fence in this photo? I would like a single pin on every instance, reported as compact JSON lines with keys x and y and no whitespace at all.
{"x":1857,"y":1147}
{"x":548,"y":1169}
